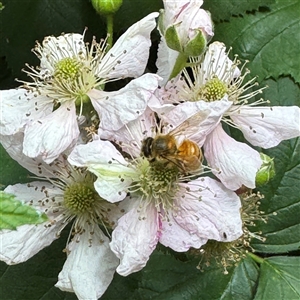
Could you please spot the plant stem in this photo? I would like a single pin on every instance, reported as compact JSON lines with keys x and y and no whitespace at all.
{"x":256,"y":258}
{"x":110,"y":31}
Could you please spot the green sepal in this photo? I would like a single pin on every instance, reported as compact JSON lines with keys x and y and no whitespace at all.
{"x":266,"y":171}
{"x":160,"y":22}
{"x":14,"y":213}
{"x":179,"y":65}
{"x":172,"y":39}
{"x":196,"y":46}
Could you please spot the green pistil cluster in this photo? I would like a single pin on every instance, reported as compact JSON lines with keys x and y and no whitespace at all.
{"x":80,"y":198}
{"x":158,"y":182}
{"x":67,"y":69}
{"x":213,"y":90}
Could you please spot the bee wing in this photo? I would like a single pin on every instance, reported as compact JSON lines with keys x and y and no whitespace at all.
{"x":191,"y":124}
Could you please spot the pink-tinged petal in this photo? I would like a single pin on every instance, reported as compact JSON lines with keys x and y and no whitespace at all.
{"x":267,"y":126}
{"x":18,"y":106}
{"x":135,"y":238}
{"x":212,"y":114}
{"x":166,"y":58}
{"x":107,"y":163}
{"x":117,"y":108}
{"x":48,"y":137}
{"x":129,"y":55}
{"x":90,"y":265}
{"x":21,"y":244}
{"x":199,"y":19}
{"x":173,"y":235}
{"x":207,"y":208}
{"x":234,"y":163}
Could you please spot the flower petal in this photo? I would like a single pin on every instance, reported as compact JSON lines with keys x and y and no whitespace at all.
{"x":173,"y":235}
{"x":166,"y":58}
{"x":234,"y":163}
{"x":56,"y":48}
{"x":135,"y":238}
{"x":118,"y":108}
{"x":212,"y":114}
{"x":129,"y":55}
{"x":19,"y":245}
{"x":108,"y":164}
{"x":208,"y":209}
{"x":131,"y":136}
{"x":18,"y":106}
{"x":13,"y":144}
{"x":217,"y":60}
{"x":90,"y":266}
{"x":50,"y":136}
{"x":267,"y":126}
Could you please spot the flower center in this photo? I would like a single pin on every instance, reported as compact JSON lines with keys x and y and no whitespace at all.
{"x":157,"y":182}
{"x":79,"y":198}
{"x":67,"y":69}
{"x":213,"y":90}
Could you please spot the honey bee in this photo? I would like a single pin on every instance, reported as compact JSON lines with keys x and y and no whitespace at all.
{"x":164,"y":148}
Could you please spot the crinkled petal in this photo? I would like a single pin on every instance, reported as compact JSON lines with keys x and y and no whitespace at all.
{"x":198,"y":19}
{"x":108,"y":164}
{"x":120,"y":107}
{"x":212,"y":114}
{"x":21,"y":244}
{"x":132,"y":135}
{"x":209,"y":210}
{"x":267,"y":126}
{"x":166,"y":58}
{"x":90,"y":266}
{"x":217,"y":60}
{"x":48,"y":137}
{"x":173,"y":235}
{"x":129,"y":55}
{"x":13,"y":144}
{"x":234,"y":163}
{"x":56,"y":48}
{"x":18,"y":106}
{"x":135,"y":238}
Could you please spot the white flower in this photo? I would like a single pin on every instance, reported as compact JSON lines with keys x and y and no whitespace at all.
{"x":69,"y":84}
{"x":217,"y":86}
{"x":66,"y":196}
{"x":163,"y":204}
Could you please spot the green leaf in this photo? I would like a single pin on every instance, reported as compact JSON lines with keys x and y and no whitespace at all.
{"x":242,"y":285}
{"x":165,"y":277}
{"x":269,"y":40}
{"x":279,"y":278}
{"x":10,"y":171}
{"x":35,"y":278}
{"x":223,"y":10}
{"x":14,"y":213}
{"x":282,"y":193}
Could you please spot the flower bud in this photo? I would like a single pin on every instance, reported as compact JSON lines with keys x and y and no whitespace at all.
{"x":266,"y":171}
{"x":106,"y":7}
{"x":187,"y":29}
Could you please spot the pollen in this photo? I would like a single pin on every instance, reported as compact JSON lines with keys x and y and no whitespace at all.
{"x":157,"y":183}
{"x":67,"y":69}
{"x":79,"y":198}
{"x":213,"y":90}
